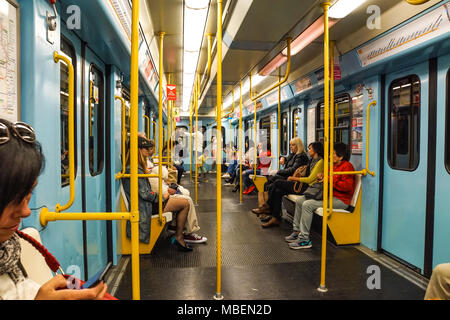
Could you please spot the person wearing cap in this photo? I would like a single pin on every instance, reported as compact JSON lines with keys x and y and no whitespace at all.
{"x":148,"y":200}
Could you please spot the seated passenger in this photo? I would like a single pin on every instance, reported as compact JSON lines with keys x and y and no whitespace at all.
{"x":293,"y":185}
{"x":149,"y":200}
{"x":177,"y":155}
{"x":248,"y":162}
{"x":439,"y":285}
{"x":232,"y":157}
{"x":262,"y":169}
{"x":282,"y":161}
{"x":22,"y":161}
{"x":343,"y":189}
{"x":175,"y":191}
{"x":296,"y":158}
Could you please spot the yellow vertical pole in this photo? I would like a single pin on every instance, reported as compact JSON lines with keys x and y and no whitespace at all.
{"x":279,"y":118}
{"x":190,"y":139}
{"x":160,"y":124}
{"x":219,"y":295}
{"x":254,"y":145}
{"x":325,"y":7}
{"x":240,"y":140}
{"x":169,"y":108}
{"x":332,"y":116}
{"x":196,"y":136}
{"x":134,"y":208}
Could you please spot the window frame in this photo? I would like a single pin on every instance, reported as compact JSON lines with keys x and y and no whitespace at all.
{"x":266,"y":119}
{"x":296,"y":110}
{"x":74,"y":63}
{"x":344,"y":95}
{"x":284,"y":144}
{"x":447,"y":123}
{"x":101,"y":138}
{"x":389,"y":133}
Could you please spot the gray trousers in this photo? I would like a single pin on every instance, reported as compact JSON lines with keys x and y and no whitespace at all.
{"x":304,"y":211}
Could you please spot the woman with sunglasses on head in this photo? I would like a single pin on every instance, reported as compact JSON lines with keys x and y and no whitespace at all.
{"x":21,"y":162}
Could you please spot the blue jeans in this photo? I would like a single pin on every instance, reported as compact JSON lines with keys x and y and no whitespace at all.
{"x":246,"y":177}
{"x":232,"y":167}
{"x":304,"y":212}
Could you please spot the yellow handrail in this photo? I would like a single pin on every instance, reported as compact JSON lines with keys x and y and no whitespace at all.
{"x":134,"y":192}
{"x":416,"y":2}
{"x":57,"y":57}
{"x":160,"y":116}
{"x":325,"y":7}
{"x":124,"y":134}
{"x":148,"y":125}
{"x":279,"y":83}
{"x":218,"y":295}
{"x":208,"y":72}
{"x":240,"y":141}
{"x":279,"y":118}
{"x":196,"y":135}
{"x":46,"y":216}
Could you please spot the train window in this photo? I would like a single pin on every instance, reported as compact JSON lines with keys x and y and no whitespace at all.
{"x":295,"y":122}
{"x":403,"y":124}
{"x":96,"y":115}
{"x":68,"y":49}
{"x":264,"y":132}
{"x":342,"y":120}
{"x":181,"y":143}
{"x":447,"y":124}
{"x":214,"y":134}
{"x":284,"y":133}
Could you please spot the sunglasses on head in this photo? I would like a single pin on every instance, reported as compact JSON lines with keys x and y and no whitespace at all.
{"x":19,"y":129}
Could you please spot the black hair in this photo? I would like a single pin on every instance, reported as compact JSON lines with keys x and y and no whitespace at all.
{"x":341,"y":150}
{"x":318,"y":147}
{"x":21,"y":163}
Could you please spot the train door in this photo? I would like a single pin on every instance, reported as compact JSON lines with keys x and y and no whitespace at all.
{"x":441,"y":249}
{"x":265,"y":132}
{"x":405,"y":165}
{"x":95,"y":158}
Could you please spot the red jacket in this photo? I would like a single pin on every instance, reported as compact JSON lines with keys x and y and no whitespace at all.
{"x":344,"y":185}
{"x":264,"y":162}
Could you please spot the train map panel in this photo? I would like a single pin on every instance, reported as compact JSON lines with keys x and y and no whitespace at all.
{"x":9,"y":61}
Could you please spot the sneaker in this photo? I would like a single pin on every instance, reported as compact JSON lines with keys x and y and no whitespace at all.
{"x":226,"y":175}
{"x":292,"y":237}
{"x":300,"y":244}
{"x":194,"y":238}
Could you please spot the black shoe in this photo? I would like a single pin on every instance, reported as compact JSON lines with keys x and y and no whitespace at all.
{"x":236,"y":188}
{"x":266,"y":219}
{"x":180,"y":247}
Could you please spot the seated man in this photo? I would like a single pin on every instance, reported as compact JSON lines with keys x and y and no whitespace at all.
{"x":343,"y":188}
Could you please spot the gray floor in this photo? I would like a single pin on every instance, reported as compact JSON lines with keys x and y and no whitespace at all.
{"x":256,"y":262}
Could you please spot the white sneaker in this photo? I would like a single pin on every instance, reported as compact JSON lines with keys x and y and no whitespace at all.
{"x":194,"y":238}
{"x":226,"y":175}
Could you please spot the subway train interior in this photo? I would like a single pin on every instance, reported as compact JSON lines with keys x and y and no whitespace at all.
{"x":123,"y":94}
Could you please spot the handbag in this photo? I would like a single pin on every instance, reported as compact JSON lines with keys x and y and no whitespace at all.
{"x":53,"y":264}
{"x":314,"y":191}
{"x":299,"y":173}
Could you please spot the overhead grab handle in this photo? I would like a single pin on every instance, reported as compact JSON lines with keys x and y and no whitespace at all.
{"x":58,"y":57}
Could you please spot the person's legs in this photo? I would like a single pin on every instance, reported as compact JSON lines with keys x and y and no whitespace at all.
{"x":181,"y":206}
{"x":298,"y":213}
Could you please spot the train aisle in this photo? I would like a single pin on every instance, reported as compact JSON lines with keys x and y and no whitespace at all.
{"x":256,"y":263}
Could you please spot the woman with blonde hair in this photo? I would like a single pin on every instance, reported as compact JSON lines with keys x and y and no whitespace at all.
{"x":296,"y":158}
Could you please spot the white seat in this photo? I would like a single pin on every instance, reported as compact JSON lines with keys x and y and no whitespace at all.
{"x":32,"y":260}
{"x":168,"y":215}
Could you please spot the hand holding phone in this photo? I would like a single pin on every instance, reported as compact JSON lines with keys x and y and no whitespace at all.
{"x":97,"y":278}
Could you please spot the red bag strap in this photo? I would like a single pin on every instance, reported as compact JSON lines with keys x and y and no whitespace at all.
{"x":51,"y":261}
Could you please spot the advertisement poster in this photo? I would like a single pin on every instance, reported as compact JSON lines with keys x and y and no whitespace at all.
{"x":357,"y":125}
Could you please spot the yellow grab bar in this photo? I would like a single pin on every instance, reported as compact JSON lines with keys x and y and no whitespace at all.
{"x":46,"y":216}
{"x":218,"y":295}
{"x":240,"y":141}
{"x":160,"y":116}
{"x":372,"y":104}
{"x":124,"y":132}
{"x":148,"y":125}
{"x":279,"y":83}
{"x":326,"y":52}
{"x":57,"y":57}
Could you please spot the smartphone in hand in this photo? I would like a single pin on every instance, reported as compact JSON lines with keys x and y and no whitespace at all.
{"x":99,"y":276}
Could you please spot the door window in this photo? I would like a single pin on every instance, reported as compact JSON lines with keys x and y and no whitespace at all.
{"x":96,"y":116}
{"x":403,"y":123}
